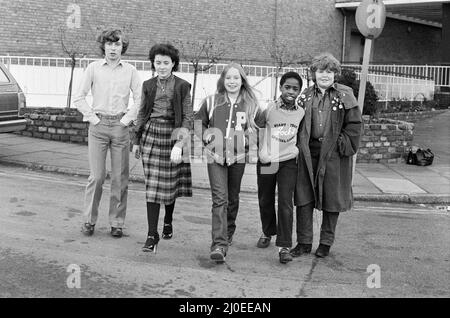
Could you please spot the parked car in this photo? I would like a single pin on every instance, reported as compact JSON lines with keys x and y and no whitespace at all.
{"x":12,"y":99}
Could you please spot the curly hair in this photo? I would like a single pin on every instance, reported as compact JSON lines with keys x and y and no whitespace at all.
{"x":325,"y":61}
{"x":291,"y":75}
{"x":167,"y":50}
{"x":113,"y":35}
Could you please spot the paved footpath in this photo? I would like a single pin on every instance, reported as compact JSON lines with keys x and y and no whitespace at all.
{"x":372,"y":182}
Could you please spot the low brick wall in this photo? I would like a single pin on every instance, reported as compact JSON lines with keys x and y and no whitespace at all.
{"x":413,"y":117}
{"x":55,"y":124}
{"x":385,"y":140}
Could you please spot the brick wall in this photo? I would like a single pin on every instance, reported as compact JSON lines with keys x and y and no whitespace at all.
{"x":385,"y":141}
{"x":412,"y":117}
{"x":55,"y":124}
{"x":309,"y":26}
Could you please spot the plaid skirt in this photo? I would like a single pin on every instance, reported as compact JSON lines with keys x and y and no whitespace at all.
{"x":164,"y":180}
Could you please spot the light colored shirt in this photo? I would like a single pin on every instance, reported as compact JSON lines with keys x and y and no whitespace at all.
{"x":110,"y":86}
{"x":279,"y":123}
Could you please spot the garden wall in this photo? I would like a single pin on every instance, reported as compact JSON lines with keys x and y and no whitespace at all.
{"x":384,"y":140}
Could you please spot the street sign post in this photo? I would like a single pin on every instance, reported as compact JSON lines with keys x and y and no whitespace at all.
{"x":370,"y":18}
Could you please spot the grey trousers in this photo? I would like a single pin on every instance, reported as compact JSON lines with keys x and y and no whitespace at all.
{"x":108,"y":134}
{"x":305,"y":225}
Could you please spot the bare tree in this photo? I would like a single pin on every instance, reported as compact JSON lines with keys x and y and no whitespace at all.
{"x":74,"y":44}
{"x":202,"y":55}
{"x":284,"y":54}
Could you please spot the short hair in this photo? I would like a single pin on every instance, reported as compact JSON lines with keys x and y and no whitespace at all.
{"x":167,"y":50}
{"x":113,"y":35}
{"x":291,"y":75}
{"x":325,"y":61}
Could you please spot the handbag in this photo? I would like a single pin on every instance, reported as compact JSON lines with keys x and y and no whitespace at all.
{"x":420,"y":157}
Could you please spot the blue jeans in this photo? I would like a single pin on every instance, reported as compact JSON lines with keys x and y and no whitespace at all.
{"x":225,"y":184}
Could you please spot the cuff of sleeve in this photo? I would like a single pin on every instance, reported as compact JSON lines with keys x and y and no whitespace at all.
{"x":179,"y":144}
{"x":126,"y":122}
{"x":94,"y":120}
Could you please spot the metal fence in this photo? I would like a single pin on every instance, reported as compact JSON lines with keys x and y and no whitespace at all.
{"x":440,"y":74}
{"x":45,"y":80}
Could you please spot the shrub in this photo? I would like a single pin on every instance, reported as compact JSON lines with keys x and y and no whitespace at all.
{"x":348,"y":77}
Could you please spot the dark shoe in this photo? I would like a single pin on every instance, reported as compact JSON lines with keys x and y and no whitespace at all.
{"x":264,"y":241}
{"x":323,"y":250}
{"x":285,"y":256}
{"x":151,"y":244}
{"x":218,"y":255}
{"x":167,"y":231}
{"x":87,"y":229}
{"x":116,"y":232}
{"x":301,"y":249}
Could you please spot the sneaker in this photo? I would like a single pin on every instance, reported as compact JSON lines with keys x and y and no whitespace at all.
{"x":301,"y":249}
{"x":218,"y":255}
{"x":285,"y":256}
{"x":264,"y":241}
{"x":87,"y":229}
{"x":116,"y":232}
{"x":323,"y":250}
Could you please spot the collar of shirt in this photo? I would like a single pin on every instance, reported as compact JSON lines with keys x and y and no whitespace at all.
{"x":104,"y":61}
{"x":281,"y":104}
{"x":318,"y":92}
{"x":166,"y":80}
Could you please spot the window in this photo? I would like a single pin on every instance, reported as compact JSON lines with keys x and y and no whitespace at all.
{"x":3,"y":77}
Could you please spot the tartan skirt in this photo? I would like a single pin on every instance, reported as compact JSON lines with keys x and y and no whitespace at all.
{"x":164,"y":180}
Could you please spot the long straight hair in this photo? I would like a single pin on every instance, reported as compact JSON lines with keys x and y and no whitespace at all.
{"x":246,"y":92}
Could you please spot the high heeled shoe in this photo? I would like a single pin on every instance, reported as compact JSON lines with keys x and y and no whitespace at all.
{"x":167,"y":231}
{"x":151,"y":244}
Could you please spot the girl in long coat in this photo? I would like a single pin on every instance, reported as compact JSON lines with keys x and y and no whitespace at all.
{"x":327,"y":140}
{"x":162,"y":137}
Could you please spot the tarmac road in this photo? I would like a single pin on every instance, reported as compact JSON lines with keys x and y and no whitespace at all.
{"x":40,"y":244}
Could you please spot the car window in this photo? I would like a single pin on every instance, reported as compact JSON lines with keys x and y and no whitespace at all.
{"x":3,"y":77}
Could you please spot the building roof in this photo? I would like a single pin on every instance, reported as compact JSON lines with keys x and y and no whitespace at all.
{"x":428,"y":12}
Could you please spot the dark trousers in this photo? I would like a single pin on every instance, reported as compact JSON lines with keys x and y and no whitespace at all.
{"x":305,"y":213}
{"x":284,"y":177}
{"x":305,"y":225}
{"x":225,"y":184}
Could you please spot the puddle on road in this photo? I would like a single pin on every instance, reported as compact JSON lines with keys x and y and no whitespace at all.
{"x":13,"y":200}
{"x":25,"y":213}
{"x":197,"y":220}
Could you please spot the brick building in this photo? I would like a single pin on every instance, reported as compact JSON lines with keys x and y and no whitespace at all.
{"x":248,"y":28}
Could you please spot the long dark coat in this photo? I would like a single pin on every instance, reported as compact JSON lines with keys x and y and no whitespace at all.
{"x":332,"y":188}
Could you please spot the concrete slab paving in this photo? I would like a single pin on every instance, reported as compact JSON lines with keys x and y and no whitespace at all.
{"x":390,"y":185}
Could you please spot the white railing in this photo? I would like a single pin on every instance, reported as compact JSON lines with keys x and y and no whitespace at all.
{"x":45,"y":80}
{"x":438,"y":73}
{"x":397,"y":87}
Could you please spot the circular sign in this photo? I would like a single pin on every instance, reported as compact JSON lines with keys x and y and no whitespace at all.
{"x":370,"y":18}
